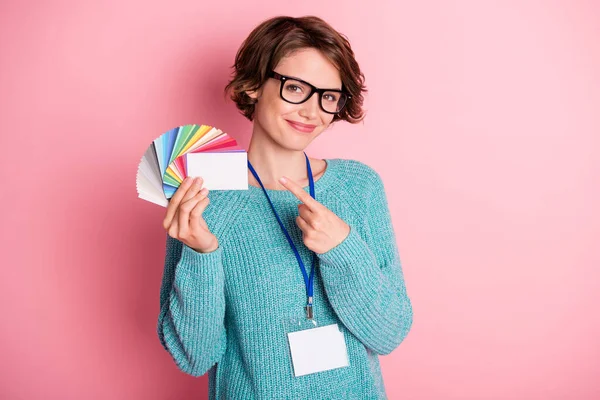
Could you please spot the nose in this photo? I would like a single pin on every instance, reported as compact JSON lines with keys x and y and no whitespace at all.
{"x":310,"y":108}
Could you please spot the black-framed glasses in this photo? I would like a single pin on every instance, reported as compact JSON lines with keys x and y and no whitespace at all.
{"x":297,"y":91}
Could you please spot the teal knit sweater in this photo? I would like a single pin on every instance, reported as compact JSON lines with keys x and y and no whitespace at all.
{"x":224,"y":312}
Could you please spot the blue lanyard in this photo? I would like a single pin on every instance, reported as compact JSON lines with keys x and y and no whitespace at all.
{"x":308,"y":280}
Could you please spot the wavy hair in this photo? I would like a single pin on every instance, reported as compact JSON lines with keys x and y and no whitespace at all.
{"x":279,"y":37}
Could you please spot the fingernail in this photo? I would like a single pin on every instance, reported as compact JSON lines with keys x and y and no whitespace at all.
{"x":282,"y":179}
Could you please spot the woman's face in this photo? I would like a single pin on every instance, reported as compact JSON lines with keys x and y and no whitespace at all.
{"x":272,"y":113}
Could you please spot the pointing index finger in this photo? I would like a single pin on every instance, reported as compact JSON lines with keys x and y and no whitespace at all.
{"x":300,"y":193}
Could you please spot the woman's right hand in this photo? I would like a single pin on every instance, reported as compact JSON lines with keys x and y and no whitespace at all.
{"x":184,"y":221}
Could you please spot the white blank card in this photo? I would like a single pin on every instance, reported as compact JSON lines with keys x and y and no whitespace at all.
{"x":220,"y":171}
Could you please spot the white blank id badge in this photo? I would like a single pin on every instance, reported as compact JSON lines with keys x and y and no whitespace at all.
{"x":315,"y":348}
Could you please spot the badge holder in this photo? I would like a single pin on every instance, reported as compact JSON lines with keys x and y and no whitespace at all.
{"x":313,"y":347}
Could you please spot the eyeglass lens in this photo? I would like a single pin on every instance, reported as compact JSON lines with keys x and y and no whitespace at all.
{"x":296,"y":92}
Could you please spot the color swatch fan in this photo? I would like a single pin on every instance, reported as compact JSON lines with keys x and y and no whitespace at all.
{"x":191,"y":150}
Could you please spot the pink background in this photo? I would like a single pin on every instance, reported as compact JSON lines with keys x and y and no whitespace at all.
{"x":484,"y":121}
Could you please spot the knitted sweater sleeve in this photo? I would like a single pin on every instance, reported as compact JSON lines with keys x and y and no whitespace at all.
{"x":192,"y":307}
{"x":364,"y":281}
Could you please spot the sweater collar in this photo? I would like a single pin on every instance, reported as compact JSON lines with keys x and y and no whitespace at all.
{"x":321,"y":185}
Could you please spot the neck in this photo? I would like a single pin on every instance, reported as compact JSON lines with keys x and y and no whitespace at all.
{"x":271,"y":162}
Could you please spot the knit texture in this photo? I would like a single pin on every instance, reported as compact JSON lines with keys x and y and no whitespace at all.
{"x":226,"y":312}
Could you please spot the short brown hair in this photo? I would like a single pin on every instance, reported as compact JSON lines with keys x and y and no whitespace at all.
{"x":280,"y":36}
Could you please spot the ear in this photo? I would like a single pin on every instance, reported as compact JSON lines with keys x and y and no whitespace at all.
{"x":254,"y":94}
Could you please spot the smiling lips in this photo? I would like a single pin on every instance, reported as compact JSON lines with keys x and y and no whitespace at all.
{"x":301,"y":127}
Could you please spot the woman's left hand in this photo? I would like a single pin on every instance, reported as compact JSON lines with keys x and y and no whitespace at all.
{"x":322,"y":230}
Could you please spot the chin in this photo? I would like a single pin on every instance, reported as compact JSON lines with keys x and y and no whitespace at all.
{"x":294,"y":145}
{"x":296,"y":139}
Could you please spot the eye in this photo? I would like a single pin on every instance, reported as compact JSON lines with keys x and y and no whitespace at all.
{"x":292,"y":88}
{"x":330,"y":97}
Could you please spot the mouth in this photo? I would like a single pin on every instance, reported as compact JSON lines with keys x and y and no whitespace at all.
{"x":304,"y":128}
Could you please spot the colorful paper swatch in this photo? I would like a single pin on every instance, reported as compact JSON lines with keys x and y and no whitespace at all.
{"x":211,"y":154}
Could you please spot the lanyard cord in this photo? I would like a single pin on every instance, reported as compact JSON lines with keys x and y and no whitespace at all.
{"x":308,"y":279}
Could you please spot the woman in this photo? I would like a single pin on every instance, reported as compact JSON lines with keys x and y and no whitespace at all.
{"x":253,"y":283}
